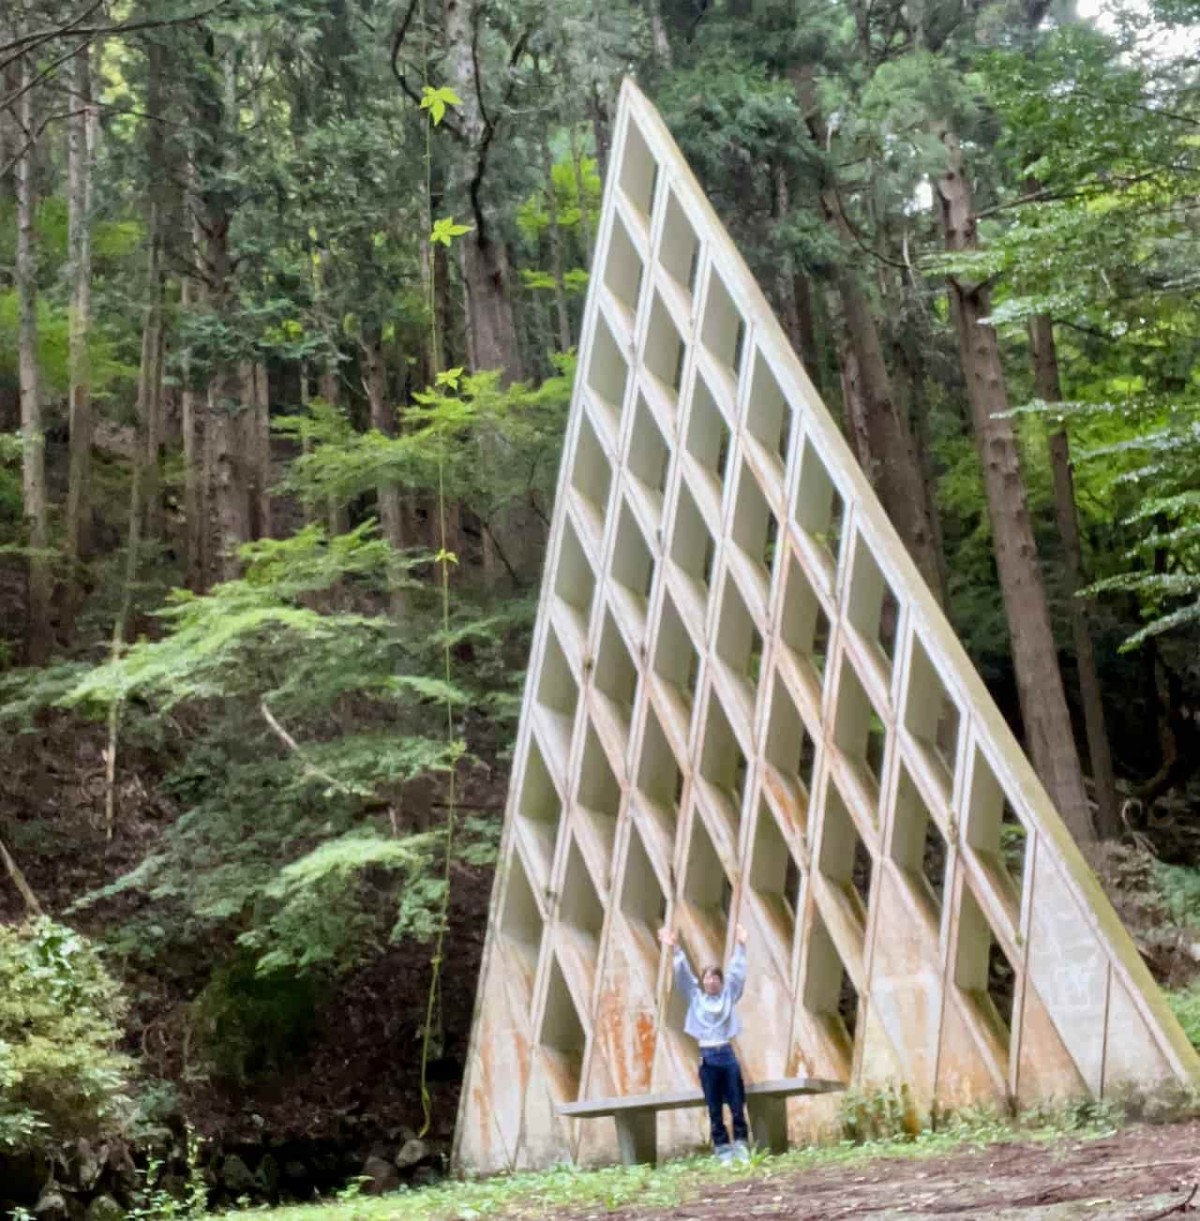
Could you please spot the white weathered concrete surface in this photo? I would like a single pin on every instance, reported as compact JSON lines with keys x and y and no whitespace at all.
{"x":744,"y":705}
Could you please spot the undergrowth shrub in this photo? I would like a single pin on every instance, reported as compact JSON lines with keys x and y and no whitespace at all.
{"x":878,"y":1115}
{"x":61,"y":1075}
{"x":251,"y":1024}
{"x":1179,"y":886}
{"x":1186,"y":1006}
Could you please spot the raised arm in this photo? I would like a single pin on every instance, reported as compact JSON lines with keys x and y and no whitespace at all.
{"x":685,"y":981}
{"x":735,"y":979}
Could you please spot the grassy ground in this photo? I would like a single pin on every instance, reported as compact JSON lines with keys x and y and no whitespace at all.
{"x":566,"y":1190}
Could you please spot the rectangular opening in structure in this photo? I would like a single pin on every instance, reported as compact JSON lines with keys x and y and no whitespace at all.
{"x":776,"y":878}
{"x":562,"y":1037}
{"x":638,"y":172}
{"x":643,"y":902}
{"x":591,"y":477}
{"x":707,"y":893}
{"x":830,"y":995}
{"x":581,"y":921}
{"x":539,"y":812}
{"x":723,"y":766}
{"x":692,"y":546}
{"x":708,"y":436}
{"x":623,"y":268}
{"x":860,"y":732}
{"x":722,"y":329}
{"x":997,"y":835}
{"x":804,"y":627}
{"x":649,"y":457}
{"x":768,"y":416}
{"x":633,"y":565}
{"x":845,"y":862}
{"x":608,"y":374}
{"x":679,"y":248}
{"x":918,"y":846}
{"x":521,"y":923}
{"x":790,"y":754}
{"x":557,"y":695}
{"x":615,"y":675}
{"x":820,"y":509}
{"x":873,"y":608}
{"x":739,"y":644}
{"x":755,"y":529}
{"x":599,"y":799}
{"x":574,"y":580}
{"x":932,"y":717}
{"x":677,"y":662}
{"x":665,"y":350}
{"x":984,"y":974}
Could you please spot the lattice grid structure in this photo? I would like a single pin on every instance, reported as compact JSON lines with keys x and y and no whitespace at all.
{"x":744,"y":705}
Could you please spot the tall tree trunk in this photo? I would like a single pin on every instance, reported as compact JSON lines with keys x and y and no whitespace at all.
{"x":1049,"y":388}
{"x":858,"y":427}
{"x":391,"y":514}
{"x":658,"y":32}
{"x":150,"y":378}
{"x":557,"y":258}
{"x":793,"y":290}
{"x":484,"y":257}
{"x":329,"y":388}
{"x":585,"y":214}
{"x":225,"y":432}
{"x":806,"y":328}
{"x":597,"y":106}
{"x":909,"y":362}
{"x":33,"y":468}
{"x":254,"y":423}
{"x":1035,"y":658}
{"x":230,"y":477}
{"x":150,"y":383}
{"x":79,"y":240}
{"x":493,"y":336}
{"x":894,"y":470}
{"x":230,"y":484}
{"x":262,"y":447}
{"x":195,"y":506}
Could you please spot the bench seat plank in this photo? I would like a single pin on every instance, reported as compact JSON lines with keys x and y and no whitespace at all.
{"x":785,"y":1087}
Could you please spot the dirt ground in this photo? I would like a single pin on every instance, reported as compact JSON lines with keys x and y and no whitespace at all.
{"x":1142,"y":1173}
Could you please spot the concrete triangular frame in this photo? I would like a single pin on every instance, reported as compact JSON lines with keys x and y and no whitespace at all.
{"x":743,"y":702}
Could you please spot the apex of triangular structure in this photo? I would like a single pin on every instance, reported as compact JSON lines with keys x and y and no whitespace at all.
{"x":744,"y":702}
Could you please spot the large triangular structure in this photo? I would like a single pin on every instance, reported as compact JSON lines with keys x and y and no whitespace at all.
{"x":744,"y":704}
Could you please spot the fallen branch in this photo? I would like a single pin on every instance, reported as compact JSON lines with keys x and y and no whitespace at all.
{"x":1182,"y":1207}
{"x":20,"y":881}
{"x":308,"y":768}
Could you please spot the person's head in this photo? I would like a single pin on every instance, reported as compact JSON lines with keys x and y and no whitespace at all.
{"x":712,"y":980}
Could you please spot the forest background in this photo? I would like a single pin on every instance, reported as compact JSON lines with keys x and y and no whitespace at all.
{"x":288,"y":297}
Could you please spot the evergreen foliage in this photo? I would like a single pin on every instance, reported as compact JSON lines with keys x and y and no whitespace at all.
{"x":61,"y":1074}
{"x":306,"y":222}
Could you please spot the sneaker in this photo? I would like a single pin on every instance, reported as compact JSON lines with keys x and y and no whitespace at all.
{"x":724,"y":1154}
{"x":740,"y":1152}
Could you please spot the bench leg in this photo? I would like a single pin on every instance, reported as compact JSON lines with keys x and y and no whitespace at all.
{"x":637,"y":1138}
{"x":768,"y":1123}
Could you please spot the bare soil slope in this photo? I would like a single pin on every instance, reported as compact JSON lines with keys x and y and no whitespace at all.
{"x":1140,"y":1173}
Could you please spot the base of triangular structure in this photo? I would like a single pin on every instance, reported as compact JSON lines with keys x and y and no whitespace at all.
{"x":744,"y":705}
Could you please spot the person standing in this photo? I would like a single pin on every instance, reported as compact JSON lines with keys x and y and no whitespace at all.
{"x":713,"y":1022}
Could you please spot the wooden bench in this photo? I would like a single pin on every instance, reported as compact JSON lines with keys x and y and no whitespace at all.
{"x":636,"y":1114}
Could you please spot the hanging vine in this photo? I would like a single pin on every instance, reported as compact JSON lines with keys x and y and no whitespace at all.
{"x":435,"y":102}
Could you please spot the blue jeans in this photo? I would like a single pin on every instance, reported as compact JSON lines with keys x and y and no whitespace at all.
{"x":721,"y":1081}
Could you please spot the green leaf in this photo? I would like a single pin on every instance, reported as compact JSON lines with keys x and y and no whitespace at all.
{"x":436,"y":101}
{"x":445,"y":230}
